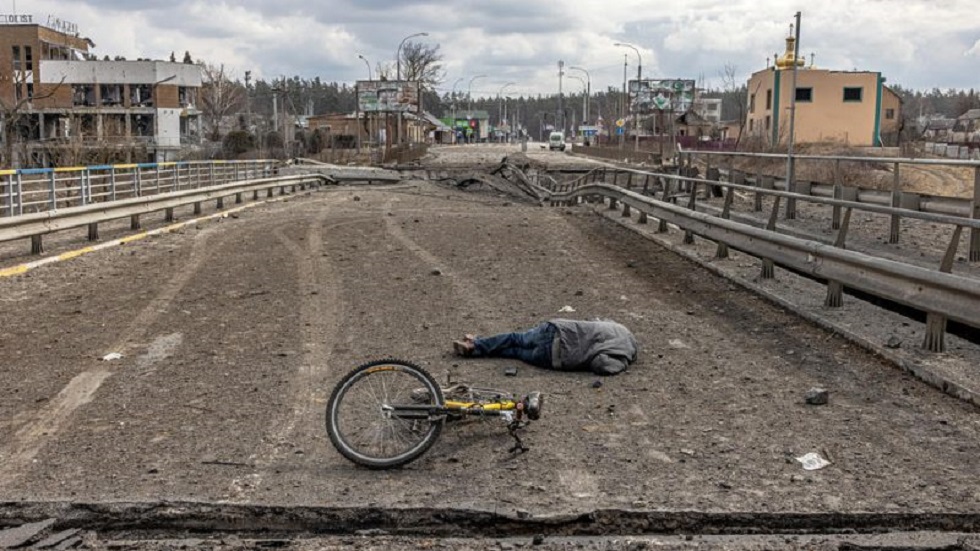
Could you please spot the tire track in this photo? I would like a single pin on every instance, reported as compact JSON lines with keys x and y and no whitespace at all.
{"x":17,"y":454}
{"x":320,"y":329}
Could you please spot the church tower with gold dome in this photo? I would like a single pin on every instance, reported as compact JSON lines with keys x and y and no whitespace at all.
{"x":847,"y":107}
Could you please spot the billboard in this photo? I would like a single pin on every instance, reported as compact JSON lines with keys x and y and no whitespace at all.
{"x":661,"y":95}
{"x":388,"y":95}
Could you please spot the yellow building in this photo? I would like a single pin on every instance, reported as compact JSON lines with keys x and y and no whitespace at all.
{"x":848,"y":107}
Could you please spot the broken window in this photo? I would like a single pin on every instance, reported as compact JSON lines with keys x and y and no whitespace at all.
{"x":83,"y":95}
{"x":853,"y":93}
{"x":141,"y":95}
{"x":112,"y":94}
{"x":142,"y":125}
{"x":15,"y":52}
{"x":186,"y":96}
{"x":28,"y":58}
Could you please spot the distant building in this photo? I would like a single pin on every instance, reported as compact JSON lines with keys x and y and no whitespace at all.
{"x":60,"y":100}
{"x":850,"y":107}
{"x":709,"y":109}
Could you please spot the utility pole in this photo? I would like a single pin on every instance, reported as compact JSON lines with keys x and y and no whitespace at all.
{"x":790,"y":165}
{"x":248,"y":102}
{"x":622,"y":106}
{"x":561,"y":113}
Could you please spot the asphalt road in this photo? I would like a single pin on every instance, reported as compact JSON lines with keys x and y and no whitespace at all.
{"x":232,"y":334}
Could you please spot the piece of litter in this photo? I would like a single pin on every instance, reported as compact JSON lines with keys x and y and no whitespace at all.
{"x":677,"y":343}
{"x":112,"y":356}
{"x":812,"y":461}
{"x":566,"y":308}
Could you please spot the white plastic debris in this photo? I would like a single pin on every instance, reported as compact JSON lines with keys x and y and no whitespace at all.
{"x":677,"y":343}
{"x":112,"y":356}
{"x":566,"y":308}
{"x":812,"y":461}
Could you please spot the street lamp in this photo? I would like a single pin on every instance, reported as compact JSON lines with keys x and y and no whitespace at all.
{"x":639,"y":58}
{"x":588,"y":93}
{"x":500,"y":102}
{"x":469,"y":92}
{"x":366,"y":62}
{"x":452,"y":97}
{"x":584,"y":102}
{"x":398,"y":77}
{"x":398,"y":54}
{"x":639,"y":77}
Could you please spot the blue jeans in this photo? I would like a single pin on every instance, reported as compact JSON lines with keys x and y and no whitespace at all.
{"x":532,"y":346}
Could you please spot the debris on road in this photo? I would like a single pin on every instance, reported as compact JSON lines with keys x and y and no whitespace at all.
{"x":812,"y":461}
{"x":112,"y":356}
{"x":565,"y":309}
{"x":817,"y":396}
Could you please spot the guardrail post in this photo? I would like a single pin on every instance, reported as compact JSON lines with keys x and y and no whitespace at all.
{"x":896,"y":203}
{"x":20,"y":194}
{"x":8,"y":195}
{"x":112,"y":183}
{"x":176,"y":177}
{"x":93,"y":231}
{"x":612,"y":203}
{"x":838,"y":194}
{"x":211,"y":174}
{"x":238,"y":198}
{"x":629,"y":180}
{"x":268,"y":192}
{"x":768,"y":266}
{"x":757,"y":195}
{"x":835,"y":289}
{"x":626,"y":210}
{"x":168,"y":215}
{"x":714,"y":175}
{"x":157,"y":179}
{"x":219,"y":203}
{"x":197,"y":207}
{"x":935,"y":338}
{"x":646,"y":185}
{"x":37,"y":244}
{"x":83,"y":186}
{"x":615,"y":177}
{"x":255,"y":195}
{"x":691,"y":204}
{"x":975,"y":214}
{"x":138,"y":182}
{"x":726,"y":213}
{"x":134,"y":222}
{"x":52,"y":191}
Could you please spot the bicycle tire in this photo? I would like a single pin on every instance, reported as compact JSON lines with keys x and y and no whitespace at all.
{"x":371,"y":388}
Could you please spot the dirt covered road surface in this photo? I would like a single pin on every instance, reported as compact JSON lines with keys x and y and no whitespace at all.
{"x":232,"y":334}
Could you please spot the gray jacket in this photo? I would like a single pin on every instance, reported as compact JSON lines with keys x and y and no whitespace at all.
{"x":603,"y":346}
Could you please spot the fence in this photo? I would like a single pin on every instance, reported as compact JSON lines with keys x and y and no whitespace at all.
{"x":937,"y":292}
{"x":29,"y":191}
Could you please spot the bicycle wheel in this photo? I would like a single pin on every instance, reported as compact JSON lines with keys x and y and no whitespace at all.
{"x":365,"y":424}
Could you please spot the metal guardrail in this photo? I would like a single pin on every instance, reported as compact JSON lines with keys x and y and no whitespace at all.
{"x":896,"y":197}
{"x":938,"y":292}
{"x":27,"y":191}
{"x":39,"y":224}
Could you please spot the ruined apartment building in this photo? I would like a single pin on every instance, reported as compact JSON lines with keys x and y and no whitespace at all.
{"x":63,"y":103}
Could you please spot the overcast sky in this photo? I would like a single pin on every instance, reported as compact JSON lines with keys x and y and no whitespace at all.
{"x":915,"y":43}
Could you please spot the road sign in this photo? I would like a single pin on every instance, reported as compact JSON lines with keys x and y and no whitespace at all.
{"x":620,"y":130}
{"x":620,"y":122}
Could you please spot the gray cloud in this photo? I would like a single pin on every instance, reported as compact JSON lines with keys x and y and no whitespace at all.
{"x":915,"y":43}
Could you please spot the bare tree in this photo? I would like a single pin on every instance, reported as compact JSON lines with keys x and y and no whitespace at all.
{"x":737,"y":94}
{"x":423,"y":63}
{"x":220,"y":97}
{"x":12,"y":114}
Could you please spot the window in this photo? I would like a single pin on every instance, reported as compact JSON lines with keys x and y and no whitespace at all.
{"x":751,"y":126}
{"x":768,"y":99}
{"x":712,"y":107}
{"x":15,"y":52}
{"x":768,"y":121}
{"x":853,"y":93}
{"x":752,"y":103}
{"x":30,"y":90}
{"x":28,"y":58}
{"x":889,"y":114}
{"x":804,"y":94}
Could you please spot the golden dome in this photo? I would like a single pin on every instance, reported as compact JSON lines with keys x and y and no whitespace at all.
{"x":786,"y":60}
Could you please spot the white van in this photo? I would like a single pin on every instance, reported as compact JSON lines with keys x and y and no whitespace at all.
{"x":556,"y":140}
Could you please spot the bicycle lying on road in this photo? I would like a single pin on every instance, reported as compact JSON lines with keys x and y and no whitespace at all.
{"x":387,"y":413}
